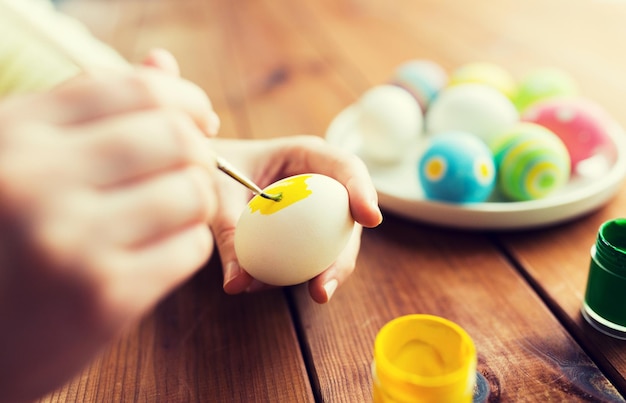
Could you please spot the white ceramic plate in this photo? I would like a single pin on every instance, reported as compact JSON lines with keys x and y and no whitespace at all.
{"x":597,"y":181}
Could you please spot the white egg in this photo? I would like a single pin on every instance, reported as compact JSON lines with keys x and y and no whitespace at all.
{"x":474,"y":108}
{"x":390,"y":123}
{"x":295,"y":239}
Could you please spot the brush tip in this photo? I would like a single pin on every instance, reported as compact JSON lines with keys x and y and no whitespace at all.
{"x":275,"y":197}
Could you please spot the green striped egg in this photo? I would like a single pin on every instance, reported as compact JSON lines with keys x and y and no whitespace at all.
{"x":532,"y":162}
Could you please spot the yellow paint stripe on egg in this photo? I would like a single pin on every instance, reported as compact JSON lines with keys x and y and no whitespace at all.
{"x":520,"y":149}
{"x":535,"y":185}
{"x":293,"y":190}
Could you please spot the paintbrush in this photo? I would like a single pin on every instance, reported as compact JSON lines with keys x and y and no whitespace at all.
{"x":229,"y":170}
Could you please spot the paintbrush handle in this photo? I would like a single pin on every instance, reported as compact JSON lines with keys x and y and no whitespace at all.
{"x":225,"y":167}
{"x":228,"y":169}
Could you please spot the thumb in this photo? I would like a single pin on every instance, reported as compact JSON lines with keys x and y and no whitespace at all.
{"x":164,"y":61}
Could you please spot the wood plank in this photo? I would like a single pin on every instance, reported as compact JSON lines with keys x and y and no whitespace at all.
{"x":201,"y":345}
{"x":275,"y":73}
{"x":523,"y":351}
{"x":557,"y":262}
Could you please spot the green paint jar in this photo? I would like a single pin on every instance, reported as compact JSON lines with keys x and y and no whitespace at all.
{"x":604,"y":306}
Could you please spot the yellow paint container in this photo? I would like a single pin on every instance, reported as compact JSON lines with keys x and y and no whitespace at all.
{"x":423,"y":358}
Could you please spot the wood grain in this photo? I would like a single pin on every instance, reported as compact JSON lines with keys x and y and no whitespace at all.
{"x":201,"y":345}
{"x":524,"y":353}
{"x":279,"y":67}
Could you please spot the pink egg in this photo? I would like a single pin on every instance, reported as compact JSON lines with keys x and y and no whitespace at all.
{"x":582,"y":125}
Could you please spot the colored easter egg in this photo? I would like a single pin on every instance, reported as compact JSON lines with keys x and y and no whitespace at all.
{"x":543,"y":84}
{"x":389,"y":123}
{"x":457,"y":167}
{"x":581,"y":124}
{"x":532,"y":162}
{"x":422,"y":78}
{"x":474,"y":108}
{"x":486,"y":73}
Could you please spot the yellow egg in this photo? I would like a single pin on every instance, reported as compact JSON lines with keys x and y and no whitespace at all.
{"x":486,"y":73}
{"x":295,"y":239}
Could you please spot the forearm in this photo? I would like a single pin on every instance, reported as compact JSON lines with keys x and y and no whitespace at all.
{"x":41,"y":48}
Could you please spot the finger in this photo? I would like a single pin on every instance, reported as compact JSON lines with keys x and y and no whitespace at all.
{"x":232,"y":200}
{"x":140,"y":277}
{"x":152,"y":209}
{"x":91,"y":98}
{"x":162,"y":60}
{"x":322,"y":287}
{"x":133,"y":145}
{"x":35,"y":167}
{"x":312,"y":154}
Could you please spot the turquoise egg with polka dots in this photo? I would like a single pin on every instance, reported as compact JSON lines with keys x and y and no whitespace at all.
{"x":457,"y":167}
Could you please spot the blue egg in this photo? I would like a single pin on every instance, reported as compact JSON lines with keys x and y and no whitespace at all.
{"x":457,"y":167}
{"x":422,"y":78}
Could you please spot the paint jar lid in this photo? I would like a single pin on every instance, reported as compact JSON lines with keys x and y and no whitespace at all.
{"x":605,"y":293}
{"x":423,"y":358}
{"x":610,"y":247}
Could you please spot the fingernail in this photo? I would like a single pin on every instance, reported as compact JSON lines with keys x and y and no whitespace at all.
{"x":213,"y":124}
{"x":231,"y":271}
{"x":374,"y":204}
{"x":330,"y":288}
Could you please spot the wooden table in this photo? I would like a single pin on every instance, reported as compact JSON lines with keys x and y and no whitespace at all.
{"x":281,"y":67}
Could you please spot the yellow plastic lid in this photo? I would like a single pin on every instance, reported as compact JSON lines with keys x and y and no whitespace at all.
{"x":423,"y":358}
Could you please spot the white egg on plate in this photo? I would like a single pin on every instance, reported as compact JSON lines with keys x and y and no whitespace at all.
{"x":474,"y":108}
{"x":291,"y":241}
{"x":390,"y":123}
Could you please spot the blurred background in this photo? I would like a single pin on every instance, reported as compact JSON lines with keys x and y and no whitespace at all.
{"x":278,"y":59}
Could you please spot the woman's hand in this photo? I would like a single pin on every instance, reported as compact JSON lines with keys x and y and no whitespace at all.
{"x":106,"y":193}
{"x":269,"y":160}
